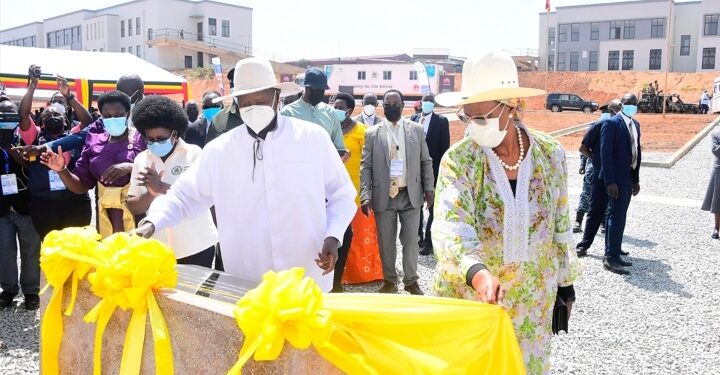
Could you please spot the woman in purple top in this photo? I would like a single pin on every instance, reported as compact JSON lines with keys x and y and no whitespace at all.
{"x":106,"y":162}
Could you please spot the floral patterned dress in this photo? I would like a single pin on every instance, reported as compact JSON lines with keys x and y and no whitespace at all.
{"x":524,"y":238}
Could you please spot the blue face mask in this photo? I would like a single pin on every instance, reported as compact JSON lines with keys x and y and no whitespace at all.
{"x":427,"y":107}
{"x":629,"y":109}
{"x":115,"y":126}
{"x":209,"y":113}
{"x":161,"y":148}
{"x":604,"y":116}
{"x":340,"y":115}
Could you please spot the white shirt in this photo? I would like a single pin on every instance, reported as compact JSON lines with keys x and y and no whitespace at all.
{"x":396,"y":137}
{"x":190,"y":236}
{"x":704,"y":99}
{"x":630,"y":124}
{"x":277,"y":219}
{"x":426,"y":118}
{"x":369,"y":120}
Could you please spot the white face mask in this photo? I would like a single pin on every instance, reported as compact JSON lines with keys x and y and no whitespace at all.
{"x":487,"y":132}
{"x":257,"y":117}
{"x":369,"y":110}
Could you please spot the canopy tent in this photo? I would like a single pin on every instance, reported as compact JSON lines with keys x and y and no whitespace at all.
{"x":88,"y":73}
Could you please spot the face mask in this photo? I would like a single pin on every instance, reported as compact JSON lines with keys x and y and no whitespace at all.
{"x":369,"y":110}
{"x":487,"y":132}
{"x":392,"y":113}
{"x":209,"y":113}
{"x":257,"y":117}
{"x":630,"y":110}
{"x":427,"y":107}
{"x":58,"y":108}
{"x":340,"y":115}
{"x":316,"y":96}
{"x":161,"y":149}
{"x":54,"y":125}
{"x":115,"y":126}
{"x":604,"y":116}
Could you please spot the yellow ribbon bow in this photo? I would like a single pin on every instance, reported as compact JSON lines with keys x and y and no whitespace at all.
{"x":284,"y":306}
{"x":135,"y":269}
{"x":71,"y":252}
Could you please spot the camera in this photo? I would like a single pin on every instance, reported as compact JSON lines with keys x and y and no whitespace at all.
{"x":36,"y":72}
{"x":9,"y":121}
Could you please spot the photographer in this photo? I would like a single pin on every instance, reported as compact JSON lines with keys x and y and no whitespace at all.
{"x":15,"y":220}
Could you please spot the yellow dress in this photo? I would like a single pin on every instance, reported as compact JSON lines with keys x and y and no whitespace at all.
{"x":363,"y":264}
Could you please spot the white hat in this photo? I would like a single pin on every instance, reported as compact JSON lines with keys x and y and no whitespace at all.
{"x":490,"y":76}
{"x":255,"y":74}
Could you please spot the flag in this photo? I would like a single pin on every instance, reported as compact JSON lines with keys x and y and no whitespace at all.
{"x":547,"y":5}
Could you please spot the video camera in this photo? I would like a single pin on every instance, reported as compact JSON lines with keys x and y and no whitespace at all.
{"x":8,"y":123}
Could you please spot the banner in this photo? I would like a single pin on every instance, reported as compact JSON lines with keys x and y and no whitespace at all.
{"x":422,"y":77}
{"x":447,"y":83}
{"x":285,"y":77}
{"x":218,"y":74}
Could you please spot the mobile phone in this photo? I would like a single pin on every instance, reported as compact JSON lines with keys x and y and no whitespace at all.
{"x":342,"y":152}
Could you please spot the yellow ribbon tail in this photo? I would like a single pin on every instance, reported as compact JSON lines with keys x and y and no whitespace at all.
{"x":161,"y":338}
{"x":73,"y":293}
{"x":51,"y":331}
{"x":245,"y":353}
{"x":134,"y":341}
{"x":101,"y":314}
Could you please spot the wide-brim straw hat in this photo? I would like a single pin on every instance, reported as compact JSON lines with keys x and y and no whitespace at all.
{"x":256,"y":74}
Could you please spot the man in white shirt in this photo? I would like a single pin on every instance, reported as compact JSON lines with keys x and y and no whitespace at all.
{"x":368,"y":116}
{"x":704,"y":103}
{"x":280,"y":192}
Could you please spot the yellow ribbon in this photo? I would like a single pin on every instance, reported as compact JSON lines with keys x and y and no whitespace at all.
{"x":71,"y":252}
{"x":376,"y":334}
{"x":135,"y":269}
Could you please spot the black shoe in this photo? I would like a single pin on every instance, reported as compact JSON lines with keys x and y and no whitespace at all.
{"x":421,"y":243}
{"x":577,"y":228}
{"x":414,"y":289}
{"x":715,"y":235}
{"x":581,"y":252}
{"x":427,"y":250}
{"x":388,"y":287}
{"x":624,"y":263}
{"x":6,"y":299}
{"x":624,"y":253}
{"x":337,"y":289}
{"x":32,"y":302}
{"x":615,"y":267}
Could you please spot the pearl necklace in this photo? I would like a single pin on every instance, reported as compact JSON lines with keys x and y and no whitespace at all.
{"x":522,"y":153}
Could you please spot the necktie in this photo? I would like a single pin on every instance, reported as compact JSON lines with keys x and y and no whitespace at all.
{"x":632,"y":145}
{"x":394,"y":185}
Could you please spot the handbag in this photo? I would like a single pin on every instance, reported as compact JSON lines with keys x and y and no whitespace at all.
{"x":560,"y":316}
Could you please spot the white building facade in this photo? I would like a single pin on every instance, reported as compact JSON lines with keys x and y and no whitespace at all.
{"x":632,"y":35}
{"x":173,"y":34}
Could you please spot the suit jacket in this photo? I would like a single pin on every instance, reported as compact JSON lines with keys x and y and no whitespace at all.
{"x":361,"y":120}
{"x":437,"y":138}
{"x":227,"y":119}
{"x":196,"y":132}
{"x":375,"y":166}
{"x":616,"y":152}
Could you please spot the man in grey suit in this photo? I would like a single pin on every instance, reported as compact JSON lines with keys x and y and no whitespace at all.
{"x":395,"y":175}
{"x":368,"y":116}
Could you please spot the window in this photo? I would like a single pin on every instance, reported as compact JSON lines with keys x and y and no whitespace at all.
{"x":138,"y":51}
{"x":58,"y":38}
{"x":67,"y":37}
{"x":685,"y":45}
{"x":122,"y":49}
{"x":657,"y":28}
{"x":708,"y":58}
{"x":387,"y":75}
{"x":551,"y":62}
{"x":551,"y":37}
{"x":122,"y":29}
{"x":50,"y":40}
{"x":130,"y":27}
{"x":575,"y":32}
{"x":613,"y":60}
{"x":361,"y":75}
{"x":615,"y":29}
{"x":131,"y":49}
{"x":200,"y":60}
{"x":225,"y":28}
{"x":188,"y":62}
{"x":213,"y":26}
{"x":137,"y":26}
{"x":629,"y":32}
{"x":87,"y":32}
{"x":711,"y":24}
{"x":561,"y":61}
{"x":102,"y":49}
{"x":594,"y":31}
{"x":628,"y":59}
{"x":575,"y":98}
{"x":655,"y":59}
{"x":593,"y":61}
{"x":574,"y":59}
{"x":562,"y":34}
{"x":565,"y":97}
{"x":413,"y":75}
{"x":75,"y":34}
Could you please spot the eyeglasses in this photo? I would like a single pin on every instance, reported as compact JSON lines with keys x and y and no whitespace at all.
{"x":161,"y":141}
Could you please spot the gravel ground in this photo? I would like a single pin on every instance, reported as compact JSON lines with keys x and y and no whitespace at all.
{"x":661,"y":319}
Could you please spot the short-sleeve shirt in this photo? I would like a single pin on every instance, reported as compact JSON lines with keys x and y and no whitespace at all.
{"x":321,"y":114}
{"x":190,"y":236}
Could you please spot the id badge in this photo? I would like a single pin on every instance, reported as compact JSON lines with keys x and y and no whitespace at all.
{"x":56,"y":183}
{"x":9,"y":184}
{"x":396,"y":168}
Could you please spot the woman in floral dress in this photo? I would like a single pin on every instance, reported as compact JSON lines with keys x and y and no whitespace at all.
{"x":502,"y":232}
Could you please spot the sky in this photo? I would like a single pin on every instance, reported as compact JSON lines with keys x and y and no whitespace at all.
{"x":290,"y":30}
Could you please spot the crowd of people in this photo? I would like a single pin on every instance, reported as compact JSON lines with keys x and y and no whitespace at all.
{"x":278,"y":178}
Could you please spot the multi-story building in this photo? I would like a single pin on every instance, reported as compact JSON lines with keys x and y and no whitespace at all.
{"x":632,"y":35}
{"x":173,"y":34}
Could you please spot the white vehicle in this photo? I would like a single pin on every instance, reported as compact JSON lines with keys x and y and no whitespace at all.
{"x":715,"y":101}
